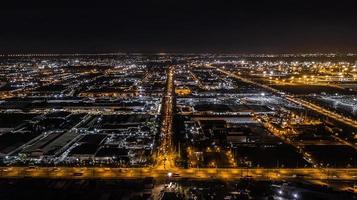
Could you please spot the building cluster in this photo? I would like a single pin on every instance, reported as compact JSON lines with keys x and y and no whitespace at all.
{"x":227,"y":111}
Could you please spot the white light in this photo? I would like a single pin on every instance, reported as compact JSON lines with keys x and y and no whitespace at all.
{"x":280,"y":192}
{"x":295,"y":195}
{"x":169,"y":174}
{"x":263,"y":94}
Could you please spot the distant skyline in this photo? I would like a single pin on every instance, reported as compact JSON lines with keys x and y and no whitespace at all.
{"x":179,"y":26}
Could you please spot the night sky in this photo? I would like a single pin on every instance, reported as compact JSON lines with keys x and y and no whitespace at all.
{"x":186,"y":26}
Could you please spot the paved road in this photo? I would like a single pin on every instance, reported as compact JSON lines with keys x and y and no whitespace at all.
{"x":165,"y":158}
{"x":165,"y":162}
{"x":293,"y":99}
{"x":193,"y":173}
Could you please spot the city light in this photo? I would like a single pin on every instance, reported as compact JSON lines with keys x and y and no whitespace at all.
{"x":204,"y":120}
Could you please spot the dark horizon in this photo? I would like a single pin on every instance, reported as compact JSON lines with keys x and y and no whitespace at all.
{"x":236,"y":27}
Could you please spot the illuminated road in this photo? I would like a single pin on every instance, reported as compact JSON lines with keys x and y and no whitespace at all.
{"x":323,"y":111}
{"x":165,"y":158}
{"x":304,"y":103}
{"x":193,"y":173}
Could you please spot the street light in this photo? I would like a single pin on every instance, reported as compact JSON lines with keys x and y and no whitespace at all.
{"x":295,"y":195}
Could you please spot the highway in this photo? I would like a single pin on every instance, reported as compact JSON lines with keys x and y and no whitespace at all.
{"x":192,"y":173}
{"x":323,"y":111}
{"x":165,"y":166}
{"x":165,"y":158}
{"x":291,"y":98}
